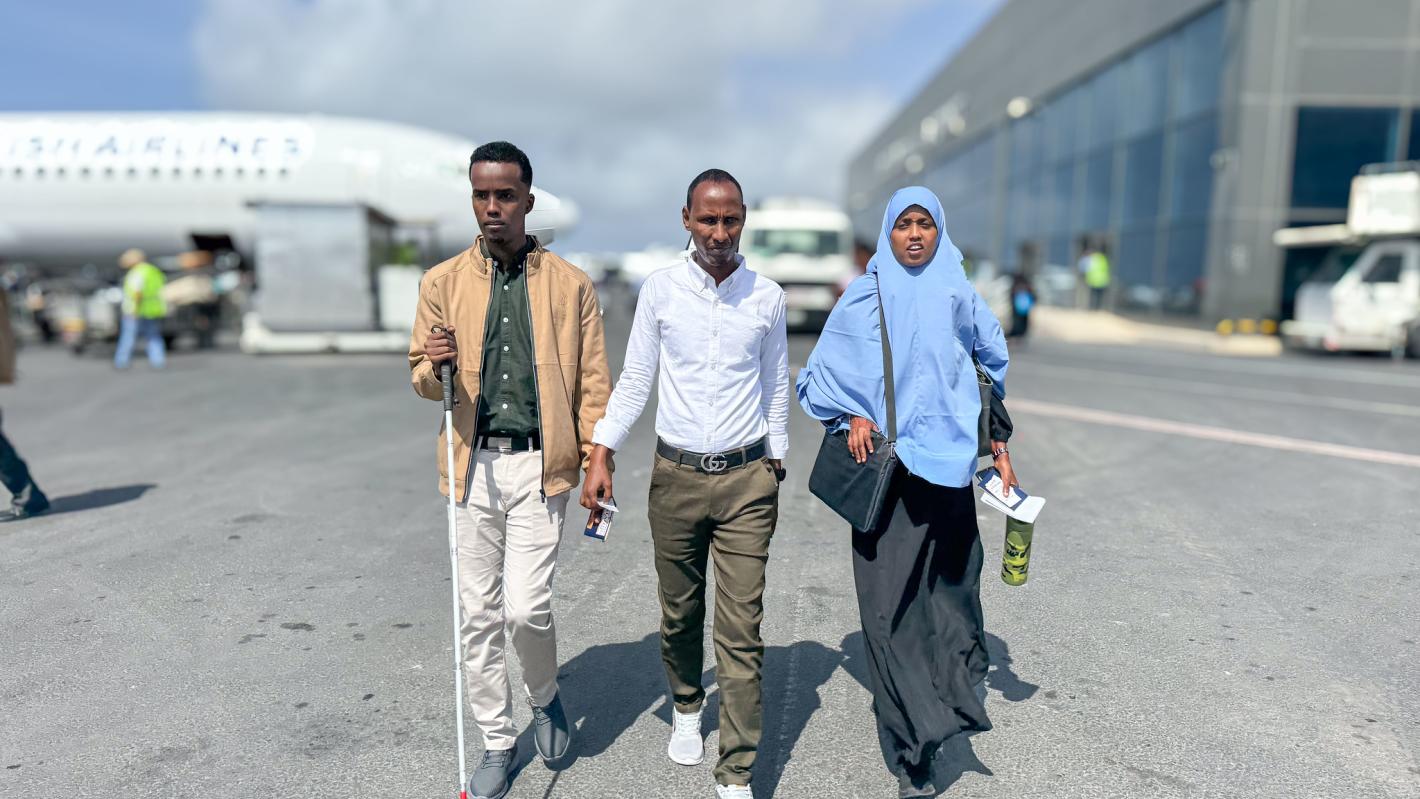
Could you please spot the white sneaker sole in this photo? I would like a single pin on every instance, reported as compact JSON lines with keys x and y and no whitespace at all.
{"x":697,"y":761}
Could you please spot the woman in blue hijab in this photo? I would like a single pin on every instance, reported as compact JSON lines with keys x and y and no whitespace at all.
{"x":918,"y":572}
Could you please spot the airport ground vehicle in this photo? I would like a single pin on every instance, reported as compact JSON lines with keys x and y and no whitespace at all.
{"x":806,"y":247}
{"x":1374,"y":304}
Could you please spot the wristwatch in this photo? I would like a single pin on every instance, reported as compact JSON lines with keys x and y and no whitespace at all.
{"x":998,"y":453}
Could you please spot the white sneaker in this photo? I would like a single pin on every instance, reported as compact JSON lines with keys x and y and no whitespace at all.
{"x":733,"y":792}
{"x":686,"y":748}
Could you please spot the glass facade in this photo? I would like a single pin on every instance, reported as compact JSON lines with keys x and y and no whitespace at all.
{"x":1412,"y":149}
{"x":1122,"y":157}
{"x":964,"y":184}
{"x":1332,"y":146}
{"x":1180,"y":142}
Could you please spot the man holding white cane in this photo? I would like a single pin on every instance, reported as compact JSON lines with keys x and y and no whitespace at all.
{"x":529,"y":384}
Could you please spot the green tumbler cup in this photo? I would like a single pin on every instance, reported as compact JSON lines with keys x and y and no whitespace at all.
{"x":1015,"y":555}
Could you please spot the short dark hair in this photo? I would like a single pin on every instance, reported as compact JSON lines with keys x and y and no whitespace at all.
{"x":713,"y":176}
{"x":501,"y":152}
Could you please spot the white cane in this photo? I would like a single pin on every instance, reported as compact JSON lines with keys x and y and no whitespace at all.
{"x":446,"y":377}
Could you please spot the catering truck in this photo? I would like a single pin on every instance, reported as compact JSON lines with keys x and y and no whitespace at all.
{"x":1374,"y":304}
{"x":806,"y":247}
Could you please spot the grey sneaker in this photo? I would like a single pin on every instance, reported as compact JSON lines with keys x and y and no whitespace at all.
{"x":550,"y":730}
{"x":493,"y":776}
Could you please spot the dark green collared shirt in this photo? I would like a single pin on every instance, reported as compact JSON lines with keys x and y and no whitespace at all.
{"x":507,"y":404}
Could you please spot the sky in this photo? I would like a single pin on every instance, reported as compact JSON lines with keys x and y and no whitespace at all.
{"x":619,"y":103}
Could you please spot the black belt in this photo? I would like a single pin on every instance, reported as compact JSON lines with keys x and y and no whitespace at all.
{"x":712,"y":462}
{"x":508,"y":443}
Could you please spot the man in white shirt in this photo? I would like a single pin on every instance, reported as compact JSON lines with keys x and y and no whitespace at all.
{"x":716,"y":332}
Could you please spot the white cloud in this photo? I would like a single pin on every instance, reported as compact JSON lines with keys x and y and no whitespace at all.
{"x":619,"y":102}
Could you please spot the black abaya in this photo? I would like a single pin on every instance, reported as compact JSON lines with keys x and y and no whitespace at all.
{"x":918,"y":579}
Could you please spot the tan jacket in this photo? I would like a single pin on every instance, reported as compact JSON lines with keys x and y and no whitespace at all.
{"x":573,"y":381}
{"x":7,"y":342}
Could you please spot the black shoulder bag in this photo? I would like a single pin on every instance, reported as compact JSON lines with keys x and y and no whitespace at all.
{"x":994,"y":422}
{"x":856,"y":491}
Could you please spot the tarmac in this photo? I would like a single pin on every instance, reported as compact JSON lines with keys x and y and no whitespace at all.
{"x":242,"y":591}
{"x":1101,"y":327}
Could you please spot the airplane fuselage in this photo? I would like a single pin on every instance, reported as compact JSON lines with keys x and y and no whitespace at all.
{"x":80,"y":188}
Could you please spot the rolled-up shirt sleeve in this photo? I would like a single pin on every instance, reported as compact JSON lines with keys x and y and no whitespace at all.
{"x":774,"y":381}
{"x":638,"y":372}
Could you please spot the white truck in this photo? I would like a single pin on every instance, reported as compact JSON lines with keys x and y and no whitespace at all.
{"x":806,"y":247}
{"x":1374,"y":304}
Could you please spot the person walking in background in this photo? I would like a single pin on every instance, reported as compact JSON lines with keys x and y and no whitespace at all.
{"x":1082,"y":266}
{"x":918,"y":571}
{"x":37,"y":303}
{"x":25,"y":497}
{"x":143,"y":310}
{"x":1022,"y":301}
{"x":1095,"y":266}
{"x":716,"y":332}
{"x":529,"y":384}
{"x":862,"y":253}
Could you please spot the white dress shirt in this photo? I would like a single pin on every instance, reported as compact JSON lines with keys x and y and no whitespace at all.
{"x":723,"y":356}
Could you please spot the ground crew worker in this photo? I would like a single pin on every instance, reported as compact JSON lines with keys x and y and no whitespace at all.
{"x":143,"y":310}
{"x":1097,"y":276}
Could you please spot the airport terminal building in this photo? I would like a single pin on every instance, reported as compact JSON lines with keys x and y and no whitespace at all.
{"x":1180,"y":133}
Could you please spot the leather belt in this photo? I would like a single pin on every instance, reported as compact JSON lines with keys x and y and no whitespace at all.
{"x":712,"y":462}
{"x":508,"y":443}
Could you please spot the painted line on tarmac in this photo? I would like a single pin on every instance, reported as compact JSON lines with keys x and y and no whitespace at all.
{"x":1318,"y":369}
{"x":1223,"y":390}
{"x":1208,"y":433}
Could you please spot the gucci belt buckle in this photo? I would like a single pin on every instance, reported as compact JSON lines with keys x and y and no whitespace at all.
{"x":713,"y":463}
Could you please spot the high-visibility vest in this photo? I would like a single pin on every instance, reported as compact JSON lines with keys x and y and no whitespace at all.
{"x":146,"y":280}
{"x":1097,"y":275}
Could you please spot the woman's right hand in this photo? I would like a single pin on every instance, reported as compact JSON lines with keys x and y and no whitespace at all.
{"x":860,"y":438}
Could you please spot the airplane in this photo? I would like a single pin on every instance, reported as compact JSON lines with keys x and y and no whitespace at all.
{"x":80,"y":188}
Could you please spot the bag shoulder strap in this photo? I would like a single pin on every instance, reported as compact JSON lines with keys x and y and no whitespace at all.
{"x":887,"y":367}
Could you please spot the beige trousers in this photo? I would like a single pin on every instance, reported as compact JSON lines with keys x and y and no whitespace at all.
{"x":507,"y":547}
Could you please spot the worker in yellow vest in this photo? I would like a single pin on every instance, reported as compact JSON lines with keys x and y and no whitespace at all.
{"x":143,"y":310}
{"x":1095,"y":266}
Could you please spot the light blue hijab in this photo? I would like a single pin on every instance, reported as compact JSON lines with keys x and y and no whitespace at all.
{"x":936,"y":321}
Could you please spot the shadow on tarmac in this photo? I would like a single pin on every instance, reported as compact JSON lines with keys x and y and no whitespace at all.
{"x":608,"y":687}
{"x":98,"y":498}
{"x":817,"y":664}
{"x":604,"y":690}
